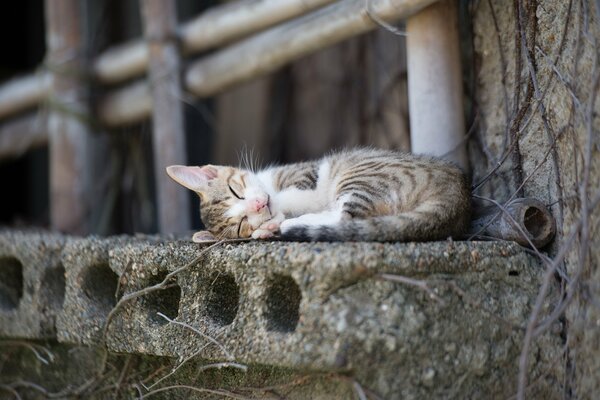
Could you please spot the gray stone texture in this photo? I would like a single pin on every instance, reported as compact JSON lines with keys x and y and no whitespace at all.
{"x":32,"y":283}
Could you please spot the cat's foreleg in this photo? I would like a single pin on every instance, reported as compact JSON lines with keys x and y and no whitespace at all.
{"x":325,"y":218}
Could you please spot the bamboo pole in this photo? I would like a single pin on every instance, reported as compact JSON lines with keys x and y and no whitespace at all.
{"x":217,"y":26}
{"x":435,"y":83}
{"x":168,"y":133}
{"x":263,"y":53}
{"x":68,"y":132}
{"x":21,"y":134}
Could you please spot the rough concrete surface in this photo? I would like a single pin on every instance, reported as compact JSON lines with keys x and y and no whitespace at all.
{"x":32,"y":283}
{"x":309,"y":308}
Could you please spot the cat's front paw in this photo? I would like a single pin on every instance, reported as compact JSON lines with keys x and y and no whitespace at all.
{"x":268,"y":228}
{"x":262,"y":234}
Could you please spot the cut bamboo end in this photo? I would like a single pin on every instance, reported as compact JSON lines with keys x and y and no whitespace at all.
{"x":525,"y":220}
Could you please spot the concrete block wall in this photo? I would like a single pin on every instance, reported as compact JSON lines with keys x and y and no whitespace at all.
{"x":295,"y":307}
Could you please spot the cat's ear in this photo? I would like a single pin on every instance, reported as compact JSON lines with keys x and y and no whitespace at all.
{"x":193,"y":178}
{"x":203,"y":237}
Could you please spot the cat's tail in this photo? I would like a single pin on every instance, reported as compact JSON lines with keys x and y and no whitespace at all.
{"x":397,"y":228}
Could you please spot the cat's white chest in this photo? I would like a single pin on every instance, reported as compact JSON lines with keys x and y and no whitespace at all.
{"x":294,"y":202}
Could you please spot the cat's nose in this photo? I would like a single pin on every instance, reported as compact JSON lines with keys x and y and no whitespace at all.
{"x":259,"y":204}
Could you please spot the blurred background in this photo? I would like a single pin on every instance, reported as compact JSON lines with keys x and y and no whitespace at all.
{"x":354,"y":93}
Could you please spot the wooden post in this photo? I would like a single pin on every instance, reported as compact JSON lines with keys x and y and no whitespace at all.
{"x":68,"y":130}
{"x":434,"y":83}
{"x":160,"y":24}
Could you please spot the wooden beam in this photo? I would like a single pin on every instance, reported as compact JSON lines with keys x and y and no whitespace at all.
{"x":168,"y":127}
{"x":68,"y":130}
{"x":263,"y":53}
{"x":435,"y":83}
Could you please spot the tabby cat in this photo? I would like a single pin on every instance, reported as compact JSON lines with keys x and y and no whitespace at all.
{"x":353,"y":195}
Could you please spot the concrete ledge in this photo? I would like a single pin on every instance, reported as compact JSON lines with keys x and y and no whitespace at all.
{"x":309,"y":306}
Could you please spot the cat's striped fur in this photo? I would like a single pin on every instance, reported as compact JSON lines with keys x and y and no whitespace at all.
{"x":362,"y":194}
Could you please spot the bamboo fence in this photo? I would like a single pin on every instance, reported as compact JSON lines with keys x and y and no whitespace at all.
{"x":256,"y":38}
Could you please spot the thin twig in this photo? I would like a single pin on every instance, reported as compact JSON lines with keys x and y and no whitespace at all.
{"x":421,"y":284}
{"x":220,"y":392}
{"x":11,"y":391}
{"x":174,"y":370}
{"x":161,"y":285}
{"x":388,"y":27}
{"x":196,"y":330}
{"x":33,"y":347}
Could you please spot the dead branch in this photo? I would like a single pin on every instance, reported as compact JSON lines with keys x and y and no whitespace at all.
{"x":34,"y":348}
{"x":12,"y":391}
{"x":163,"y":284}
{"x":196,"y":330}
{"x":220,"y":392}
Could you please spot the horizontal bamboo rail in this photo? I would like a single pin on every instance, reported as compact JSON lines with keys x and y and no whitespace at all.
{"x":21,"y":134}
{"x":263,"y":53}
{"x":256,"y":56}
{"x":215,"y":27}
{"x":24,"y":92}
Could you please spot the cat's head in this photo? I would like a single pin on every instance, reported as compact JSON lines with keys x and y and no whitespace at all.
{"x":233,"y":203}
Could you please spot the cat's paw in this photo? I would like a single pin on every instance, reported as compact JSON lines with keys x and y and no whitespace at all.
{"x":262,"y":234}
{"x":268,"y":228}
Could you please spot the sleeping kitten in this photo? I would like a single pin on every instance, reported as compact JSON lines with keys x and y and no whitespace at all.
{"x":355,"y":195}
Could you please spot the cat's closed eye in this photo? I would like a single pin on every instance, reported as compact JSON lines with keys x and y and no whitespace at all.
{"x":235,"y":193}
{"x":241,"y":226}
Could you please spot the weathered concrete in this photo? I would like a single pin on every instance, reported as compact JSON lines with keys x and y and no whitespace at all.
{"x":32,"y":283}
{"x":551,"y":138}
{"x":308,"y":307}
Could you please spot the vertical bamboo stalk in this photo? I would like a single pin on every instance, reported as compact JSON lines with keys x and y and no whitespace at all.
{"x":434,"y":83}
{"x":68,"y":131}
{"x":160,"y":24}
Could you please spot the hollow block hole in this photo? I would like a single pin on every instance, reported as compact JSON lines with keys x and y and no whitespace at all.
{"x":223,"y":299}
{"x":283,"y":304}
{"x":164,"y":301}
{"x":513,"y":273}
{"x":11,"y":283}
{"x":53,"y":287}
{"x":99,"y":285}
